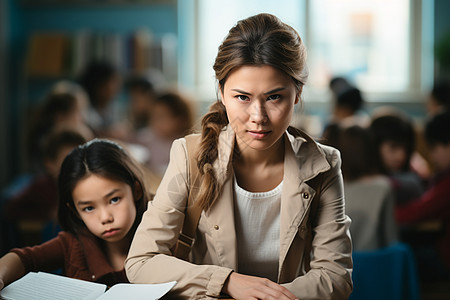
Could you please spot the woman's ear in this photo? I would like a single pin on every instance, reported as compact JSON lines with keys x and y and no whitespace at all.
{"x":299,"y":93}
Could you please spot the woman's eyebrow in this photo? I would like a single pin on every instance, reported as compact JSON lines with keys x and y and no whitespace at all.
{"x":241,"y":92}
{"x":275,"y":90}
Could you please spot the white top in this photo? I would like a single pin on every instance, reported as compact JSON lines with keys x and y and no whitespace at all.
{"x":257,"y":221}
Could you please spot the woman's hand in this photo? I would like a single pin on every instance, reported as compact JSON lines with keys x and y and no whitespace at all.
{"x":244,"y":287}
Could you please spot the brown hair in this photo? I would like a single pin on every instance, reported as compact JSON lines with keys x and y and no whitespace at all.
{"x":258,"y":40}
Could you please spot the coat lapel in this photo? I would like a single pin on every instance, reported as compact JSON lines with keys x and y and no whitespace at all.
{"x":221,"y":214}
{"x":296,"y":194}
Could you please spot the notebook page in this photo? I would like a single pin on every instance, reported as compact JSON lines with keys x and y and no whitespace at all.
{"x":137,"y":291}
{"x":45,"y":286}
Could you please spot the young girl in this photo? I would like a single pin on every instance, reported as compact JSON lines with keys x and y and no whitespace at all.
{"x":273,"y":224}
{"x":101,"y":201}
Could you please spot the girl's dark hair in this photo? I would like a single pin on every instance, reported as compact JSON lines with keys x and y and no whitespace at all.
{"x":437,"y":129}
{"x":397,"y":129}
{"x":357,"y":150}
{"x":179,"y":107}
{"x":441,"y":93}
{"x":96,"y":74}
{"x":258,"y":40}
{"x":103,"y":158}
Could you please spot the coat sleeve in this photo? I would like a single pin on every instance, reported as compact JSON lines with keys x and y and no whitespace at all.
{"x":331,"y":261}
{"x":150,"y":259}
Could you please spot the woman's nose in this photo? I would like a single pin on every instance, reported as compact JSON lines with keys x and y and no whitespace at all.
{"x":258,"y":113}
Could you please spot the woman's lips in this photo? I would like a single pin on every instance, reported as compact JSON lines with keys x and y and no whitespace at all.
{"x":258,"y":134}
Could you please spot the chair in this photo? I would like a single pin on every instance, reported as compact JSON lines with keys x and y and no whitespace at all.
{"x":389,"y":273}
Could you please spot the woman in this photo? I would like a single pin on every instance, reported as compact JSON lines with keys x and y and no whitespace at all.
{"x":273,"y":223}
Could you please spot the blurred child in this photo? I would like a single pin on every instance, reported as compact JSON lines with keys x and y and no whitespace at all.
{"x":39,"y":200}
{"x":347,"y":103}
{"x":102,"y":82}
{"x":141,"y":94}
{"x":171,"y":117}
{"x":395,"y":143}
{"x":368,"y":194}
{"x":435,"y":202}
{"x":101,"y":200}
{"x":59,"y":111}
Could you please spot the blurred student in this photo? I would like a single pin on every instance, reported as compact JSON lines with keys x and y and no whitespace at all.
{"x":102,"y":82}
{"x":58,"y":111}
{"x":38,"y":201}
{"x":140,"y":96}
{"x":395,"y":143}
{"x":347,"y":103}
{"x":369,"y":198}
{"x":171,"y":117}
{"x":434,"y":204}
{"x":101,"y":200}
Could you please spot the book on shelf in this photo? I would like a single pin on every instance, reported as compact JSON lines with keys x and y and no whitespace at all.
{"x":46,"y":286}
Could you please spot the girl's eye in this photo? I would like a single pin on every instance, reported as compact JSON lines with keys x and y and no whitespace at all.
{"x":273,"y":97}
{"x":242,"y":97}
{"x":88,"y":208}
{"x":114,"y":200}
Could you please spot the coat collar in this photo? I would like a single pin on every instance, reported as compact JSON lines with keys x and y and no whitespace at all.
{"x":304,"y":159}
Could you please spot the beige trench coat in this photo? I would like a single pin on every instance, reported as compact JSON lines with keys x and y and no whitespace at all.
{"x":315,"y":246}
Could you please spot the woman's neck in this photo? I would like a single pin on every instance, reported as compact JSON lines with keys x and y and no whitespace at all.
{"x":260,"y":171}
{"x":252,"y":158}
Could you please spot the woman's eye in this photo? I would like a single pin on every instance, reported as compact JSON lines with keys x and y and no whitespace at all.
{"x":273,"y":97}
{"x":242,"y":97}
{"x":114,"y":200}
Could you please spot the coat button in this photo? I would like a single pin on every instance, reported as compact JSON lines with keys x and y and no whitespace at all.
{"x":305,"y":195}
{"x":216,"y":227}
{"x":93,"y":276}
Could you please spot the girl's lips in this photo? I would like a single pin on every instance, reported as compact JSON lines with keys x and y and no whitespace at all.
{"x":111,"y":232}
{"x":258,"y":134}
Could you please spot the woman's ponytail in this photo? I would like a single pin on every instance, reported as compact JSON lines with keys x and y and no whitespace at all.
{"x":212,"y":124}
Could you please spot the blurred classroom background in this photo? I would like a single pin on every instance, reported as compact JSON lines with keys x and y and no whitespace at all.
{"x":140,"y":72}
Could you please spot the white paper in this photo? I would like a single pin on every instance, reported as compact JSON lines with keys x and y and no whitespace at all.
{"x":137,"y":291}
{"x":45,"y":286}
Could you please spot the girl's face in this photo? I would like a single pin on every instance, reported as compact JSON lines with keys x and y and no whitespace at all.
{"x":393,"y":155}
{"x":260,"y":102}
{"x":106,"y":207}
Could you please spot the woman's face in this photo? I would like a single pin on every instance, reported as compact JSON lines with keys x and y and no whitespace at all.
{"x":260,"y":102}
{"x":108,"y":210}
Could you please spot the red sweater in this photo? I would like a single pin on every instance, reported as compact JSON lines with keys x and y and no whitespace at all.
{"x":80,"y":258}
{"x":433,"y":205}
